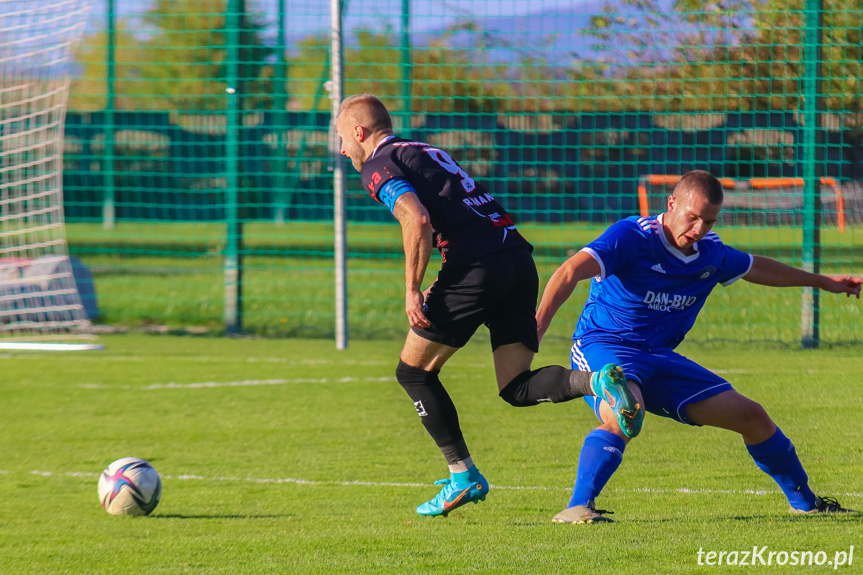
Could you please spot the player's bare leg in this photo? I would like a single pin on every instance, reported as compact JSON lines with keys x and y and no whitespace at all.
{"x":733,"y":411}
{"x":425,"y":354}
{"x":509,"y":361}
{"x":772,"y":451}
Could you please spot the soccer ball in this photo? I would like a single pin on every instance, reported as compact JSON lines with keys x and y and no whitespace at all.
{"x":130,"y":486}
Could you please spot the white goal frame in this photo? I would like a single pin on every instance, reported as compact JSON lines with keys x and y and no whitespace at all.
{"x":40,"y":307}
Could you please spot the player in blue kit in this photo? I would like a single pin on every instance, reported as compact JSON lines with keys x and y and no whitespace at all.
{"x":651,"y":277}
{"x":488,"y":277}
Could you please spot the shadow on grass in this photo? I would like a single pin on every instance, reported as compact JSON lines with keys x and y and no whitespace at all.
{"x":715,"y":519}
{"x":789,"y":518}
{"x":217,"y":516}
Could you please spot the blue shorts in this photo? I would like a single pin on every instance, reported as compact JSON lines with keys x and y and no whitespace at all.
{"x":669,"y":382}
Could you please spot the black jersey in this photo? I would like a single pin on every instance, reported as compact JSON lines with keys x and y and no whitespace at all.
{"x":468,"y":221}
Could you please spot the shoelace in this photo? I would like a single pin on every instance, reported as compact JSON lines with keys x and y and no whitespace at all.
{"x":441,"y":496}
{"x":830,"y":504}
{"x":444,"y":493}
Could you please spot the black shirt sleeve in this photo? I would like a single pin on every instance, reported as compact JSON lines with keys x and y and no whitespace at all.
{"x":379,"y":170}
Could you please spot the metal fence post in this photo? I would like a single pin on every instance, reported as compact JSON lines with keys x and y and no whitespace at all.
{"x":810,"y":306}
{"x":108,"y":209}
{"x":406,"y":68}
{"x":233,"y":239}
{"x":340,"y":249}
{"x":280,"y":101}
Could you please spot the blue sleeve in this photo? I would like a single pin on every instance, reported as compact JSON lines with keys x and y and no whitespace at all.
{"x":614,"y":248}
{"x":735,"y":265}
{"x":393,"y":190}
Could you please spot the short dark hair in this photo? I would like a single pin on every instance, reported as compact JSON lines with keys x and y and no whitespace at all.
{"x":369,"y":111}
{"x":703,"y":183}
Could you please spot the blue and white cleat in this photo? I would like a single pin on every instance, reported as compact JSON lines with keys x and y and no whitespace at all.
{"x":460,"y":489}
{"x":609,"y":384}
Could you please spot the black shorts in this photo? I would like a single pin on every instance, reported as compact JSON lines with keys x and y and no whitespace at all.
{"x":499,"y":290}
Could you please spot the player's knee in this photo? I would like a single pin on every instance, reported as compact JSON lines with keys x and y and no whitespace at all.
{"x":516,"y":392}
{"x":409,"y":376}
{"x":551,"y":383}
{"x":754,"y":414}
{"x":753,"y":422}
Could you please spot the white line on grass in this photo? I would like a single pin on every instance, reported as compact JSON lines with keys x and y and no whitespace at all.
{"x":211,"y":359}
{"x":243,"y":383}
{"x":355,"y":482}
{"x":290,"y":381}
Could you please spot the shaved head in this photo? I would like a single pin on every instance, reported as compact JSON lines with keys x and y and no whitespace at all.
{"x":362,"y":122}
{"x":367,"y":111}
{"x":702,"y":183}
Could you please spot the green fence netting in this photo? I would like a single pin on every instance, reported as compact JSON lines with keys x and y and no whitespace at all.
{"x":573,"y":114}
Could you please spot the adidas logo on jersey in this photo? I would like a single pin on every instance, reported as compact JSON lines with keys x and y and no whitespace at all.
{"x":658,"y":268}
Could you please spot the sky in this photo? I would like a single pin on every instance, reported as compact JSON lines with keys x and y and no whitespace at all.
{"x":547,"y":26}
{"x":309,"y":16}
{"x":550,"y":29}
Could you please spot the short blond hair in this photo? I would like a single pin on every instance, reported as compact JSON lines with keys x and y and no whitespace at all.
{"x":368,"y":111}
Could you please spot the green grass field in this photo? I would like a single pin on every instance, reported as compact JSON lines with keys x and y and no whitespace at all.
{"x":287,"y":456}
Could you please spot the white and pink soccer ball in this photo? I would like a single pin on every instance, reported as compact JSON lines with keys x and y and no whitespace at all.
{"x":130,"y":486}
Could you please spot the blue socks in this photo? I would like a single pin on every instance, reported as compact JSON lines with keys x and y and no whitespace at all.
{"x":602,"y":454}
{"x":600,"y":457}
{"x":777,"y":458}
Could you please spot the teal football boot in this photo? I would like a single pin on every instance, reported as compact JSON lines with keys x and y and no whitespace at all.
{"x":458,"y":490}
{"x":609,"y":384}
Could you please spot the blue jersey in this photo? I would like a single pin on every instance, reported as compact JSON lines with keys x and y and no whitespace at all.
{"x":648,"y":292}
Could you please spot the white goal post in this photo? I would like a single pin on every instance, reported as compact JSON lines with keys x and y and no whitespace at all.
{"x":40,"y":307}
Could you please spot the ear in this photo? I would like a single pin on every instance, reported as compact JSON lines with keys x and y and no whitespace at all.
{"x":360,"y":134}
{"x":671,"y":203}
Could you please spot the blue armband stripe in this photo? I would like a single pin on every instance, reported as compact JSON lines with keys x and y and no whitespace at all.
{"x":392,"y":190}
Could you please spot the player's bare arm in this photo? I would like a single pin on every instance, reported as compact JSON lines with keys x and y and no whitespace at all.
{"x":579,"y":267}
{"x":769,"y":272}
{"x":417,"y":239}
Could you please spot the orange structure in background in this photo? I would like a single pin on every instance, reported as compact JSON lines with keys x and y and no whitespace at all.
{"x":755,"y":183}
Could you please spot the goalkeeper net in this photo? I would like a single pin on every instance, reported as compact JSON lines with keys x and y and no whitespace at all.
{"x":40,"y":306}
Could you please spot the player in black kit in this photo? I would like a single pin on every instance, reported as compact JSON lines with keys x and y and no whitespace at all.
{"x":488,"y":277}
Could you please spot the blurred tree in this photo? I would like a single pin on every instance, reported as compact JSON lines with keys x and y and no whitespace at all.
{"x":645,"y":55}
{"x":175,"y":60}
{"x":88,"y":92}
{"x":187,"y":52}
{"x":726,"y":55}
{"x":444,"y":79}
